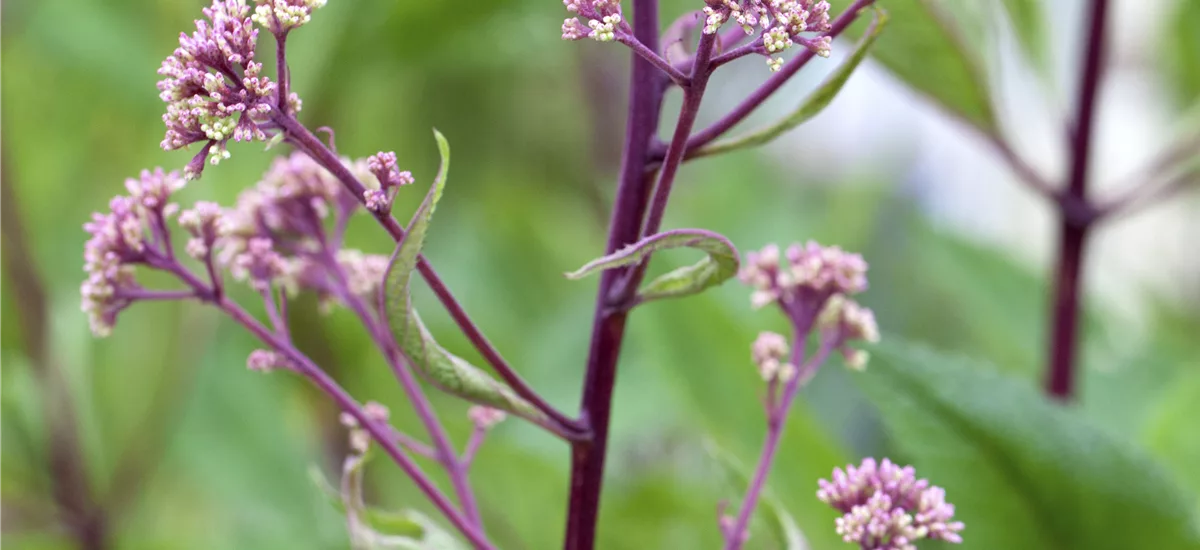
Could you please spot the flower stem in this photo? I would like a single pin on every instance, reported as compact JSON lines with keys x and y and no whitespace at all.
{"x":776,"y":418}
{"x":1073,"y":230}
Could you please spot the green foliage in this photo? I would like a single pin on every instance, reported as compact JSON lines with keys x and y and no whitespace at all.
{"x":928,"y":52}
{"x":1181,"y":52}
{"x":1029,"y":25}
{"x":816,"y":101}
{"x":1022,"y":471}
{"x":719,"y":264}
{"x":445,"y":370}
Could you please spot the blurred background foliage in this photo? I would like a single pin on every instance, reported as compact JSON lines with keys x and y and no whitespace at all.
{"x":174,"y":444}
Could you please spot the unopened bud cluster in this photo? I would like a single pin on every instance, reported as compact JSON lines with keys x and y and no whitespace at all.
{"x":885,"y":507}
{"x":780,"y":22}
{"x":604,"y":20}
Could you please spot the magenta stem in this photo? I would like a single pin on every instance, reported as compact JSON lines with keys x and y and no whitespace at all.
{"x":642,"y":51}
{"x":776,"y":419}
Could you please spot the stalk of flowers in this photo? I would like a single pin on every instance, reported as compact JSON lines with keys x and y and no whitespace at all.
{"x":278,"y":240}
{"x":811,"y":285}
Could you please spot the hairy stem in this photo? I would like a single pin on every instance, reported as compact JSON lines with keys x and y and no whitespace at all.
{"x":647,"y":85}
{"x":1074,"y":230}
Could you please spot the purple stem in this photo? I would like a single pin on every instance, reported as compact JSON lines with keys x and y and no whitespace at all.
{"x":647,"y":86}
{"x":1074,"y":230}
{"x":752,"y":102}
{"x":399,"y":364}
{"x":281,"y":67}
{"x":312,"y":146}
{"x":639,"y":48}
{"x":736,"y":53}
{"x":381,"y":432}
{"x":776,"y":419}
{"x":473,"y":444}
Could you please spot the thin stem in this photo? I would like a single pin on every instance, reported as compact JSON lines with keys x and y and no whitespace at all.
{"x":776,"y":419}
{"x":1146,"y":195}
{"x":382,"y":433}
{"x":647,"y":85}
{"x":1073,"y":232}
{"x":473,"y":444}
{"x":755,"y":99}
{"x":399,"y":364}
{"x":737,"y":53}
{"x":281,"y":67}
{"x":158,"y":295}
{"x":313,"y":146}
{"x":692,"y":97}
{"x":639,"y":48}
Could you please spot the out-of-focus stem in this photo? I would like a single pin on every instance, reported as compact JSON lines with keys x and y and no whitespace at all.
{"x":1073,"y":230}
{"x":776,"y":418}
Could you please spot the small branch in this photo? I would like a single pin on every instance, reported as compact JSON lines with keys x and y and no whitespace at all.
{"x":755,"y":99}
{"x":473,"y":444}
{"x":312,"y":146}
{"x":382,"y":433}
{"x":642,"y":51}
{"x":1064,"y":338}
{"x":1144,"y":192}
{"x":1024,"y":171}
{"x":284,"y":77}
{"x":776,"y":419}
{"x":737,"y":53}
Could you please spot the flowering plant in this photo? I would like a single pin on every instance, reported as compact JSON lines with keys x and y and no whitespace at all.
{"x":286,"y":235}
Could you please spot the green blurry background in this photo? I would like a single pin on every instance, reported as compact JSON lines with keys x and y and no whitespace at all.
{"x":181,"y":447}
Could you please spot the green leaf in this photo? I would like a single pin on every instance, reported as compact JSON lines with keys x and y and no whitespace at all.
{"x":1171,"y":433}
{"x":1029,"y":24}
{"x":443,"y":369}
{"x":1022,"y":472}
{"x":928,"y":52}
{"x":1181,"y":52}
{"x":787,"y":534}
{"x":813,"y":104}
{"x":719,"y":265}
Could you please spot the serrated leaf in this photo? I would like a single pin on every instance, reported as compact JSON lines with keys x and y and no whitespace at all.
{"x":813,"y":104}
{"x":441,"y":368}
{"x":1022,"y":472}
{"x":784,"y":528}
{"x":719,"y":264}
{"x":924,"y":49}
{"x":1029,"y":25}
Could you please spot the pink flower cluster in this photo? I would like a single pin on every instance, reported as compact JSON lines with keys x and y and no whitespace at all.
{"x":885,"y":507}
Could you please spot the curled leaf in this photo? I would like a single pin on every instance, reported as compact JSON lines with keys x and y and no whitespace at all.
{"x":719,"y":264}
{"x":441,"y":368}
{"x":813,"y":104}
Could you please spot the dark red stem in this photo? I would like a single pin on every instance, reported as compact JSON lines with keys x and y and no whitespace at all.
{"x":1074,"y":227}
{"x":647,"y":86}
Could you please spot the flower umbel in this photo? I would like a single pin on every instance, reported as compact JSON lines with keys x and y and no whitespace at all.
{"x":281,"y":16}
{"x":885,"y":506}
{"x":604,"y":20}
{"x":213,"y":88}
{"x":780,"y":23}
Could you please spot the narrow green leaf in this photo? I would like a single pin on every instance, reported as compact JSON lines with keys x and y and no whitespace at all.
{"x":1022,"y":472}
{"x":925,"y":49}
{"x":813,"y":104}
{"x":441,"y":368}
{"x":720,"y":263}
{"x":784,"y":528}
{"x":1171,"y":433}
{"x":1029,"y":25}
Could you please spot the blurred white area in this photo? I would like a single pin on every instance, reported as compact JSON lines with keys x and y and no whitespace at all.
{"x":879,"y":126}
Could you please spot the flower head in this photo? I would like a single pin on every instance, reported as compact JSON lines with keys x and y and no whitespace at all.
{"x":213,"y":88}
{"x":885,"y":507}
{"x":261,"y":360}
{"x":779,"y":22}
{"x":281,"y":16}
{"x":770,"y":354}
{"x":804,"y":277}
{"x":603,"y":20}
{"x":132,"y":232}
{"x":844,"y":320}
